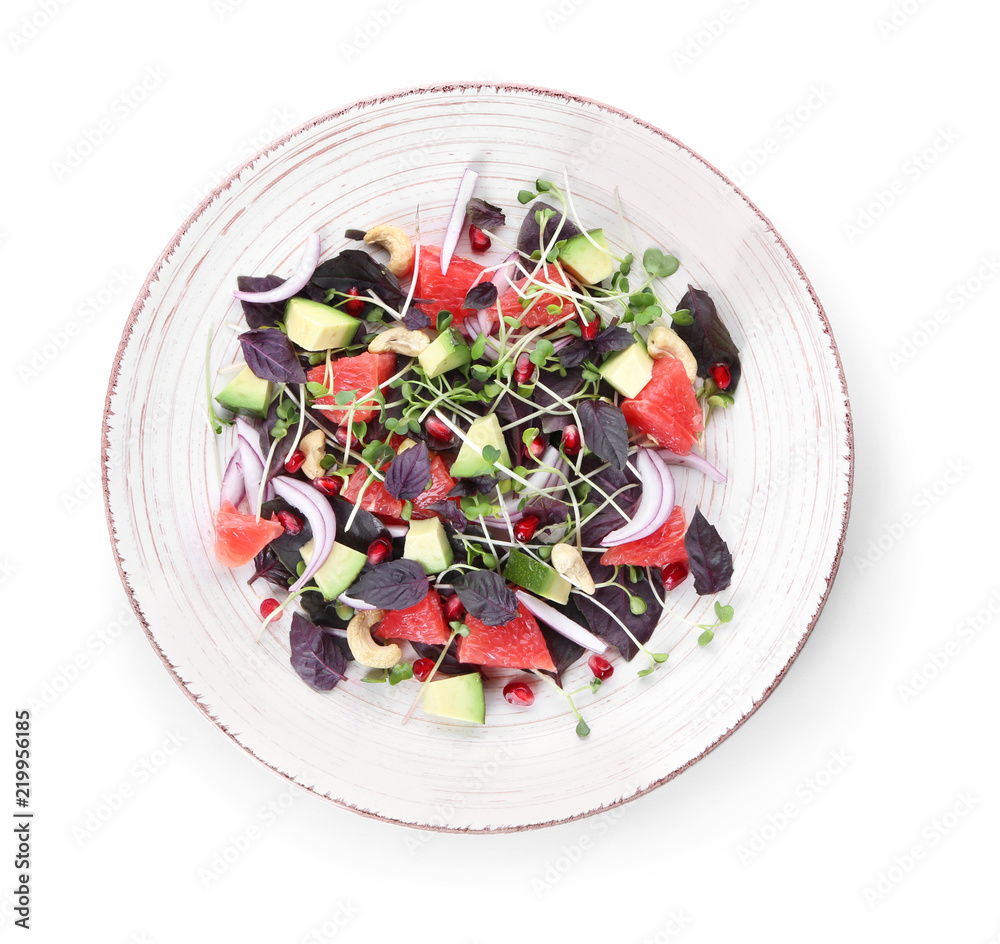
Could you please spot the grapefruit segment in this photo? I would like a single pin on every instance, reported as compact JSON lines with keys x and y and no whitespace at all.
{"x":362,"y":373}
{"x":666,"y":408}
{"x":445,"y":292}
{"x":424,"y":622}
{"x":664,"y":546}
{"x":240,"y":538}
{"x":518,"y":644}
{"x":536,"y":310}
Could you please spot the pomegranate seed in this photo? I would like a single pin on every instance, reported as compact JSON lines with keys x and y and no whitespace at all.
{"x":294,"y":462}
{"x":523,"y":370}
{"x":379,"y":550}
{"x":329,"y":485}
{"x":453,"y":609}
{"x":517,"y":693}
{"x":345,"y":437}
{"x":355,"y":304}
{"x":673,"y":574}
{"x":422,"y":668}
{"x":601,"y":668}
{"x":537,"y":447}
{"x":571,"y":440}
{"x":480,"y":241}
{"x":721,"y":374}
{"x":525,"y":529}
{"x":291,"y":523}
{"x":437,"y":430}
{"x":268,"y":606}
{"x":589,"y":329}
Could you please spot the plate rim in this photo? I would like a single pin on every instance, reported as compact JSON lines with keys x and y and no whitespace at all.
{"x":144,"y":295}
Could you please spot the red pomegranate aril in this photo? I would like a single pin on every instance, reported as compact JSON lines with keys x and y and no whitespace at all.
{"x":291,"y":523}
{"x":355,"y":304}
{"x":422,"y":668}
{"x":345,"y":437}
{"x":537,"y":447}
{"x":525,"y":529}
{"x":294,"y":462}
{"x":590,"y":329}
{"x":329,"y":485}
{"x":571,"y":440}
{"x":453,"y":609}
{"x":379,"y":550}
{"x":673,"y":574}
{"x":601,"y":668}
{"x":268,"y":606}
{"x":480,"y":241}
{"x":721,"y":375}
{"x":523,"y":369}
{"x":517,"y":693}
{"x":437,"y":430}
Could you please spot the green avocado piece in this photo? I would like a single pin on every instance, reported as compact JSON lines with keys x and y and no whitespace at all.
{"x":460,"y":697}
{"x":484,"y":431}
{"x":446,"y":352}
{"x":246,"y":393}
{"x":338,"y":571}
{"x":314,"y":326}
{"x":628,"y":371}
{"x":586,"y":262}
{"x":428,"y":545}
{"x":536,"y":577}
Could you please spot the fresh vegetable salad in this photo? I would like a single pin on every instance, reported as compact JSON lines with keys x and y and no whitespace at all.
{"x":456,"y":468}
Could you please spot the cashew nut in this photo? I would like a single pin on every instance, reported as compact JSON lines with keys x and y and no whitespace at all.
{"x":397,"y":242}
{"x":313,"y":446}
{"x":568,"y":563}
{"x":364,"y":648}
{"x":665,"y":342}
{"x":399,"y":340}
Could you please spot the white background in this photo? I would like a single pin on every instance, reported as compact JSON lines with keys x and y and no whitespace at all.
{"x":862,"y":802}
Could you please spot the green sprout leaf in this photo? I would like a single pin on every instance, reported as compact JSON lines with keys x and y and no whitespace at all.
{"x":682,"y":317}
{"x":581,"y":728}
{"x":525,"y":196}
{"x":706,"y":637}
{"x":400,"y":672}
{"x":659,"y":264}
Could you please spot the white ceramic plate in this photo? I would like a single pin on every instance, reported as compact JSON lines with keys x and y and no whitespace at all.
{"x":786,"y":445}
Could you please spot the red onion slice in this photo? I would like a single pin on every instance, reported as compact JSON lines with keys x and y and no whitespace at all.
{"x":318,"y":512}
{"x":297,"y":281}
{"x":396,"y":530}
{"x":233,"y":487}
{"x":694,"y":461}
{"x":561,"y":623}
{"x":502,"y":277}
{"x":465,"y":188}
{"x":657,"y":500}
{"x":357,"y":604}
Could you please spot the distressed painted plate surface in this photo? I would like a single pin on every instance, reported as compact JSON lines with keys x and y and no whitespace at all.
{"x":786,"y":446}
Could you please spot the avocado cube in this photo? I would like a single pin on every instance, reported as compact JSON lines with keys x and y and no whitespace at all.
{"x":460,"y":697}
{"x":314,"y":326}
{"x":586,"y":262}
{"x":427,"y":544}
{"x":484,"y":431}
{"x":338,"y":571}
{"x":628,"y":371}
{"x":446,"y":352}
{"x":536,"y":577}
{"x":246,"y":393}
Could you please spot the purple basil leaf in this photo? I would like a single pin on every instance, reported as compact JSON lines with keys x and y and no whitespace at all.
{"x":365,"y":527}
{"x":708,"y":556}
{"x":486,"y":597}
{"x":323,"y":612}
{"x":354,"y":268}
{"x":480,"y":296}
{"x":564,"y":651}
{"x":286,"y":545}
{"x":616,"y":599}
{"x":269,"y":566}
{"x":555,"y":417}
{"x":450,"y":512}
{"x":612,"y":339}
{"x":605,"y":431}
{"x":474,"y":485}
{"x":394,"y":585}
{"x":548,"y":511}
{"x":708,"y":338}
{"x":357,"y":234}
{"x":270,"y":355}
{"x":409,"y":472}
{"x":575,"y":353}
{"x":450,"y":664}
{"x":261,"y":316}
{"x":530,"y":237}
{"x":316,"y":656}
{"x":415,"y":319}
{"x":484,"y":215}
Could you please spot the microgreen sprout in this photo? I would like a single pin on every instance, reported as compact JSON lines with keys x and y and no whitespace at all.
{"x":582,"y":729}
